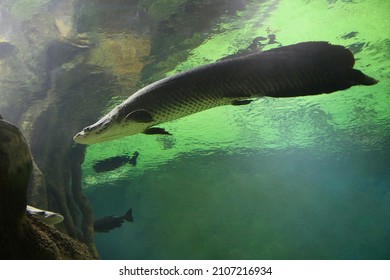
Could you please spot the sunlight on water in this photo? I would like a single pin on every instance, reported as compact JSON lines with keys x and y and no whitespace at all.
{"x":275,"y":123}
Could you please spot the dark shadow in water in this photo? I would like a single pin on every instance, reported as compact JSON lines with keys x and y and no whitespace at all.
{"x":280,"y":205}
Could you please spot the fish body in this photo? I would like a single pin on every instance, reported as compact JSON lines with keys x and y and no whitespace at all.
{"x":113,"y":163}
{"x":108,"y":223}
{"x":302,"y":69}
{"x":48,"y":217}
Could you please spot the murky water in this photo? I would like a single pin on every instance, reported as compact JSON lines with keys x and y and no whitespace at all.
{"x":285,"y":204}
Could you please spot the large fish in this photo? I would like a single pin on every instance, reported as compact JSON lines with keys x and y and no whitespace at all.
{"x":302,"y":69}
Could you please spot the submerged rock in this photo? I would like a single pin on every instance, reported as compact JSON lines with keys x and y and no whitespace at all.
{"x":7,"y":49}
{"x":23,"y":236}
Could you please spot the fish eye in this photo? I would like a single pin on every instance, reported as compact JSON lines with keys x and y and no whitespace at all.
{"x":87,"y":129}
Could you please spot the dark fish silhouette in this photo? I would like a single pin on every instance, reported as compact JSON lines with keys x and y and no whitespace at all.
{"x":112,"y":163}
{"x":302,"y":69}
{"x":108,"y":223}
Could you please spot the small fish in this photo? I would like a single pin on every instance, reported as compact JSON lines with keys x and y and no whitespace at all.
{"x":108,"y":223}
{"x":45,"y":216}
{"x":350,"y":35}
{"x":307,"y":68}
{"x":113,"y":163}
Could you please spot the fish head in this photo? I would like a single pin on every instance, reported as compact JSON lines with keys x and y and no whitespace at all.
{"x":48,"y":217}
{"x":114,"y":125}
{"x":102,"y":130}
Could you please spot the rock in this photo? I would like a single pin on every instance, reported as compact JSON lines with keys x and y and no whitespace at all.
{"x":7,"y":49}
{"x":124,"y":55}
{"x":15,"y":169}
{"x":23,"y":236}
{"x":37,"y":191}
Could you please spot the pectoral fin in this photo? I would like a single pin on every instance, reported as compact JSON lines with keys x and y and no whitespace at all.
{"x":156,"y":130}
{"x":140,"y":116}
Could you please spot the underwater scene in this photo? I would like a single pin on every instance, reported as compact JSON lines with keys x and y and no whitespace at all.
{"x":301,"y":177}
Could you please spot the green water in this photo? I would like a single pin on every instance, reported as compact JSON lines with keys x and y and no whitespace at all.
{"x":302,"y":178}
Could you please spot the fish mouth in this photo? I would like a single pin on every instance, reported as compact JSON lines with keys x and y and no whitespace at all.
{"x":94,"y":133}
{"x":86,"y":138}
{"x":80,"y":138}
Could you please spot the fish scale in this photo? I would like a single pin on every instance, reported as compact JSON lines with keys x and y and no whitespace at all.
{"x":302,"y":69}
{"x":181,"y":104}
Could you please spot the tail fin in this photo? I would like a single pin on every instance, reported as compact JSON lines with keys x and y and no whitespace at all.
{"x":129,"y":215}
{"x":133,"y":159}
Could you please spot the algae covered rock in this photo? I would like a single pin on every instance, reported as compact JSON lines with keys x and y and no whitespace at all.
{"x":23,"y":236}
{"x":122,"y":55}
{"x":15,"y":169}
